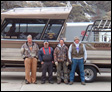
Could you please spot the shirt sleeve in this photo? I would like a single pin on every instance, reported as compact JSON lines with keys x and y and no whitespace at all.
{"x":55,"y":54}
{"x":40,"y":55}
{"x":22,"y":51}
{"x":85,"y":52}
{"x":69,"y":52}
{"x":52,"y":51}
{"x":37,"y":47}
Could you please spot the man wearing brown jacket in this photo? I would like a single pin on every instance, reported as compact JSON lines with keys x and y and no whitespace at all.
{"x":61,"y":61}
{"x":29,"y":51}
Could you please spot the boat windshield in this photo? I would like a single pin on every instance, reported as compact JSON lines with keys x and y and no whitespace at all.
{"x":40,"y":29}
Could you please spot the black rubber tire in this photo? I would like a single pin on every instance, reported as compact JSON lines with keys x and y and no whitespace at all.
{"x":93,"y":72}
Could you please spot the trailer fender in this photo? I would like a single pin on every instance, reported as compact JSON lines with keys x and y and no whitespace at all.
{"x":93,"y":65}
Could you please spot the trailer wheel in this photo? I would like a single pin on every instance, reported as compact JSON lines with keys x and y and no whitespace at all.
{"x":90,"y":73}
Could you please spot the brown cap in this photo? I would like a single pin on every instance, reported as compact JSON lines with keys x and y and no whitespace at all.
{"x":76,"y":38}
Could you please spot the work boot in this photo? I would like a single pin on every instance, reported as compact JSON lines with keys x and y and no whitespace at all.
{"x":66,"y":81}
{"x":58,"y":82}
{"x":42,"y":82}
{"x":51,"y":82}
{"x":26,"y":82}
{"x":35,"y":82}
{"x":83,"y":83}
{"x":71,"y":82}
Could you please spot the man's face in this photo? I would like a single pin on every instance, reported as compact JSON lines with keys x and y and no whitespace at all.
{"x":77,"y":41}
{"x":29,"y":40}
{"x":61,"y":42}
{"x":46,"y":44}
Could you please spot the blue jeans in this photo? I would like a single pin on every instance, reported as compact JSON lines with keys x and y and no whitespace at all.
{"x":80,"y":64}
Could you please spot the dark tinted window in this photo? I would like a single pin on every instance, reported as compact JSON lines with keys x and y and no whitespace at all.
{"x":40,"y":29}
{"x":20,"y":28}
{"x":53,"y":29}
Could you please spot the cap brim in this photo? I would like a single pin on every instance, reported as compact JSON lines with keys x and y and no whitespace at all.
{"x":46,"y":42}
{"x":76,"y":39}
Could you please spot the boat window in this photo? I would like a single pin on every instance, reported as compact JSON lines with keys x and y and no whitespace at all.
{"x":53,"y":29}
{"x":21,"y":28}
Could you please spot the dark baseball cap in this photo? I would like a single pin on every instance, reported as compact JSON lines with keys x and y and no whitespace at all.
{"x":61,"y":39}
{"x":46,"y":41}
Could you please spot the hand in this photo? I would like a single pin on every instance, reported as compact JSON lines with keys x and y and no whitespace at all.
{"x":56,"y":63}
{"x":53,"y":62}
{"x":70,"y":61}
{"x":67,"y":63}
{"x":42,"y":62}
{"x":35,"y":57}
{"x":84,"y":61}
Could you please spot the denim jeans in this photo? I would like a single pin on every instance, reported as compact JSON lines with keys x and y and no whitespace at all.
{"x":80,"y":64}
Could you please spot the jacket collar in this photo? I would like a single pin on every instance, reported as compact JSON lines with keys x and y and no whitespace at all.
{"x":78,"y":43}
{"x":27,"y":43}
{"x":59,"y":45}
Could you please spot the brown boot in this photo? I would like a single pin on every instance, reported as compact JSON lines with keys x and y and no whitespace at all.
{"x":26,"y":82}
{"x":71,"y":83}
{"x":58,"y":82}
{"x":35,"y":82}
{"x":66,"y":81}
{"x":83,"y":83}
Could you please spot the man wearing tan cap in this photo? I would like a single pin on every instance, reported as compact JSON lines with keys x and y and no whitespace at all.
{"x":77,"y":55}
{"x":29,"y":51}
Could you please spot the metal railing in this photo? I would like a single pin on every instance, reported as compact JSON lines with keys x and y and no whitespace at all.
{"x":97,"y":26}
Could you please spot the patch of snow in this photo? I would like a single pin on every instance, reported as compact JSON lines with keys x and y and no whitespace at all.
{"x":85,"y":2}
{"x":87,"y":15}
{"x":29,"y":1}
{"x":79,"y":4}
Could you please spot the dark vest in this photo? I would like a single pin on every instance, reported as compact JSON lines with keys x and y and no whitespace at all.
{"x":74,"y":51}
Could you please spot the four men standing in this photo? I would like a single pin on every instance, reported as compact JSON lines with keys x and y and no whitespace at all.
{"x":76,"y":54}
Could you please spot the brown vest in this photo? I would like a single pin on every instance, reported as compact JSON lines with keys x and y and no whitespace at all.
{"x":74,"y":51}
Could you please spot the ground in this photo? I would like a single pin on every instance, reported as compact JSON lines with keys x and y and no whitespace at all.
{"x":14,"y":81}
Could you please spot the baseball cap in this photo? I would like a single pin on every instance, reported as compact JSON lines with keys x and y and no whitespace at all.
{"x":76,"y":38}
{"x":46,"y":41}
{"x":61,"y":39}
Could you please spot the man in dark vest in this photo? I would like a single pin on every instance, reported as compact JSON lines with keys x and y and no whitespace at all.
{"x":46,"y":58}
{"x":77,"y":55}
